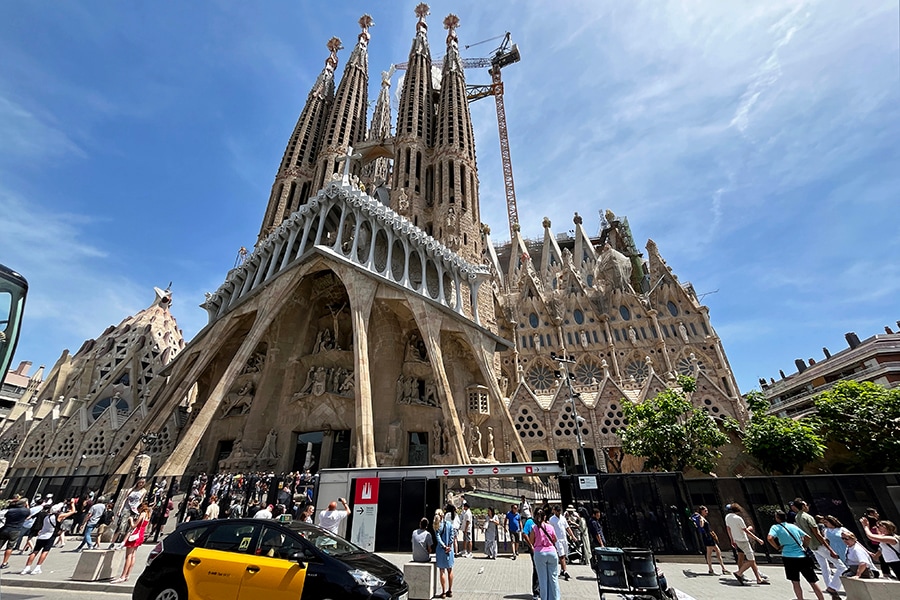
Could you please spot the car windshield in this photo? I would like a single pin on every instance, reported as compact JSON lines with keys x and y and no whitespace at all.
{"x":329,"y":543}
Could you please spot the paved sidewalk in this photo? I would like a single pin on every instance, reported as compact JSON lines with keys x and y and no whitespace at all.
{"x":476,"y":577}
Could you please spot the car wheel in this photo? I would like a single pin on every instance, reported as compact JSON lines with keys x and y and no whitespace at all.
{"x":169,"y":592}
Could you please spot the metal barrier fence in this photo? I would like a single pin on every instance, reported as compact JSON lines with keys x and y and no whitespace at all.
{"x":652,"y":510}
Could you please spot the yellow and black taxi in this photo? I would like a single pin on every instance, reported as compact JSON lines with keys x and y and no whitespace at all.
{"x":248,"y":559}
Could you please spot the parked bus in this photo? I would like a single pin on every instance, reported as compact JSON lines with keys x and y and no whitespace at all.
{"x":13,"y":289}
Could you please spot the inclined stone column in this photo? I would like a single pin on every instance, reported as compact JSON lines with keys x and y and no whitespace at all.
{"x":428,"y":321}
{"x":361,"y":292}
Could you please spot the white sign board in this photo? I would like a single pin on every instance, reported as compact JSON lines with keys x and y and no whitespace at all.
{"x":587,"y":482}
{"x":362,"y":532}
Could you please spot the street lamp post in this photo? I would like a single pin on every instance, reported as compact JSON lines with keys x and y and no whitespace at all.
{"x":564,"y":361}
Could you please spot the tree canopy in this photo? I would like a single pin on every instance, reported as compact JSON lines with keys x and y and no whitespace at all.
{"x":865,"y":417}
{"x":780,"y":444}
{"x":671,"y":433}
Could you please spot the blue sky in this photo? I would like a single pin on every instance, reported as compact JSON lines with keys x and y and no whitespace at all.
{"x":755,"y":142}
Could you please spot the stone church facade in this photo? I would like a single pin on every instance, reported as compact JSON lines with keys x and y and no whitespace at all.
{"x":375,"y":323}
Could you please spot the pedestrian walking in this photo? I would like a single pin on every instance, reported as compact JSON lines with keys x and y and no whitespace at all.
{"x":742,"y":539}
{"x":792,"y":542}
{"x":92,"y":519}
{"x":491,"y":533}
{"x":546,"y":560}
{"x":17,"y":515}
{"x":709,"y":538}
{"x":823,"y":554}
{"x":563,"y":532}
{"x":44,"y":541}
{"x":514,"y":527}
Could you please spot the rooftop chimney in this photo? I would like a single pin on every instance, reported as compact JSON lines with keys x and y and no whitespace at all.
{"x":826,"y":352}
{"x":887,"y":330}
{"x":812,"y":361}
{"x":852,"y":339}
{"x":801,"y":366}
{"x":762,"y":383}
{"x":781,"y":372}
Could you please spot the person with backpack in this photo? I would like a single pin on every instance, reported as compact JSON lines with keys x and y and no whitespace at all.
{"x":50,"y":521}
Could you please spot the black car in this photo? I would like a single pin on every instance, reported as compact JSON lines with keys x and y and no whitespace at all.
{"x":250,"y":559}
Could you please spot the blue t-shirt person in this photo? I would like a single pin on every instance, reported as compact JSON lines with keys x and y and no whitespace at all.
{"x":790,"y":542}
{"x":512,"y":521}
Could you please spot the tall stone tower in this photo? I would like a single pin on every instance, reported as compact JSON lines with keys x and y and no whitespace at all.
{"x":294,"y":179}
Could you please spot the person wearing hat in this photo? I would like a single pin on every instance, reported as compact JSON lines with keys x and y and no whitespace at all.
{"x":44,"y":541}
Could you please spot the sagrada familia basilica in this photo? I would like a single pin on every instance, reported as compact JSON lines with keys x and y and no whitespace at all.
{"x":376,"y":323}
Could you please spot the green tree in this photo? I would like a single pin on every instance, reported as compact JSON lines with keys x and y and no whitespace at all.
{"x":780,"y":444}
{"x":865,"y":417}
{"x":671,"y":433}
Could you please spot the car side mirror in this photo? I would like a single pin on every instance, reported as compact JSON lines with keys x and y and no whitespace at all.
{"x":298,"y":557}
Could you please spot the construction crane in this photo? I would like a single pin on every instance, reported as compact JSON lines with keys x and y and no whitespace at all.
{"x":506,"y":54}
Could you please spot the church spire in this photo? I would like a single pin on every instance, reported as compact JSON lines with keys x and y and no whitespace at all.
{"x":293,"y":182}
{"x":413,"y":173}
{"x":347,"y":121}
{"x":456,"y":215}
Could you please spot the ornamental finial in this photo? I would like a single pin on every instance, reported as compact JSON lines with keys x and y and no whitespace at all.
{"x":422,"y":11}
{"x":451,"y":23}
{"x":365,"y":22}
{"x":334,"y":44}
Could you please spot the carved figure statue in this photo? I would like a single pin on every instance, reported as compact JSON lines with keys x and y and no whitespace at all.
{"x":269,"y":452}
{"x":490,"y":444}
{"x":437,"y":438}
{"x":348,"y":386}
{"x":536,"y":338}
{"x":402,"y":201}
{"x":310,"y":380}
{"x":334,"y":322}
{"x":583,"y":337}
{"x":239,"y":401}
{"x":632,"y":334}
{"x":683,"y":331}
{"x":320,"y":381}
{"x":475,"y":449}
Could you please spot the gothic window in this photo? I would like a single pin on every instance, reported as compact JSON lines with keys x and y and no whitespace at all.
{"x":637,"y":369}
{"x":101,"y":405}
{"x":614,"y":419}
{"x":528,"y":425}
{"x":685,"y":367}
{"x":533,"y":320}
{"x":541,"y":377}
{"x":579,"y":316}
{"x":588,"y":373}
{"x":708,"y":404}
{"x":673,"y":309}
{"x":626,"y":314}
{"x":567,"y":426}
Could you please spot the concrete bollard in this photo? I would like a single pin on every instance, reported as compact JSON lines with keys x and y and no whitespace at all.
{"x":421,"y":580}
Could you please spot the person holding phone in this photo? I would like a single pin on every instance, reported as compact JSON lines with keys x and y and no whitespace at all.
{"x":330,"y":519}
